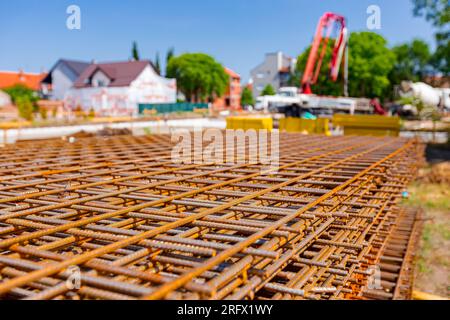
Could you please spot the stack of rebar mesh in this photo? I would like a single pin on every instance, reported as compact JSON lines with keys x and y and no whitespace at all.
{"x":118,"y":218}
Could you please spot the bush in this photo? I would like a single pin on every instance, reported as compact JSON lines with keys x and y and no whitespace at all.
{"x":268,"y":91}
{"x":25,"y":107}
{"x":43,"y":112}
{"x":91,"y":113}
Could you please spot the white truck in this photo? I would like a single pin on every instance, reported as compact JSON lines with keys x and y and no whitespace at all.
{"x":292,"y":103}
{"x":438,"y":98}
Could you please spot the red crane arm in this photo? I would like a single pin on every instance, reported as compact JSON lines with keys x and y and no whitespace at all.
{"x":324,"y":28}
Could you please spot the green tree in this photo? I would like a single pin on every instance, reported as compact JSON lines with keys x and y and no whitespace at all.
{"x":268,"y":91}
{"x":157,"y":63}
{"x":441,"y":56}
{"x":295,"y":78}
{"x":25,"y":107}
{"x":247,"y":97}
{"x":19,"y":90}
{"x":370,"y":63}
{"x":44,"y":113}
{"x":199,"y":76}
{"x":169,"y":55}
{"x":438,"y":13}
{"x":134,"y":51}
{"x":324,"y":84}
{"x":412,"y":62}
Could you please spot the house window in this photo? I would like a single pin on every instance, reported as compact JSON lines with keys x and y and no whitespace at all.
{"x":101,"y":83}
{"x":260,"y":75}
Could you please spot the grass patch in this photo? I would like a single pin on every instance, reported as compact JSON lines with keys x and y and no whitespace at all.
{"x":432,"y":259}
{"x":429,"y":196}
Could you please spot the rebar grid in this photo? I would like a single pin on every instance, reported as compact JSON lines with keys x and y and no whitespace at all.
{"x":140,"y":226}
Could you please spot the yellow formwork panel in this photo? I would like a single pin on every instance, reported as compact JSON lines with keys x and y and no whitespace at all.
{"x":368,"y":125}
{"x":246,"y":123}
{"x":319,"y":126}
{"x":14,"y":124}
{"x":323,"y":126}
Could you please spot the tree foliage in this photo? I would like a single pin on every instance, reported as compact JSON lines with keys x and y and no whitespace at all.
{"x":438,"y":13}
{"x":268,"y":91}
{"x":199,"y":76}
{"x":247,"y":97}
{"x":157,"y":64}
{"x":441,"y":57}
{"x":295,"y":78}
{"x":169,"y":55}
{"x":324,"y":85}
{"x":370,"y":63}
{"x":412,"y":62}
{"x":21,"y":91}
{"x":135,"y":52}
{"x":25,"y":107}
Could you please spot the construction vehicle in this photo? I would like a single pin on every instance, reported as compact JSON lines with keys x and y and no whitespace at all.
{"x":293,"y":103}
{"x":327,"y":23}
{"x":424,"y":94}
{"x":290,"y":102}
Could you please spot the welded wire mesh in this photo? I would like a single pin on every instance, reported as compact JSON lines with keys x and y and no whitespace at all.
{"x":129,"y":222}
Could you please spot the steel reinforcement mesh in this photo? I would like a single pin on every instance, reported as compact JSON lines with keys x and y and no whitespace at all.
{"x":119,"y":218}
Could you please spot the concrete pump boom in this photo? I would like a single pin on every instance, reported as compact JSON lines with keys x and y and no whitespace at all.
{"x":326,"y":24}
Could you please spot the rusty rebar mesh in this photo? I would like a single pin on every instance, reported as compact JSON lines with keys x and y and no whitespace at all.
{"x":139,"y":226}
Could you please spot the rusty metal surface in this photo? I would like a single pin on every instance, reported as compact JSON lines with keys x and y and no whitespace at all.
{"x":141,"y":227}
{"x":396,"y":258}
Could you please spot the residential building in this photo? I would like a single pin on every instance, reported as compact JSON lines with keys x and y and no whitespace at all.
{"x":30,"y":80}
{"x":274,"y":70}
{"x":117,"y":88}
{"x":5,"y":99}
{"x":7,"y":110}
{"x":231,"y":100}
{"x":61,"y":78}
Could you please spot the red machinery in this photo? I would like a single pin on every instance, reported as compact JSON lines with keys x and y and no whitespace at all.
{"x":327,"y":23}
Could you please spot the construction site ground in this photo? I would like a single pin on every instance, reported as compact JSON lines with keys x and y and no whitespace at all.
{"x":139,"y":226}
{"x":431,"y":193}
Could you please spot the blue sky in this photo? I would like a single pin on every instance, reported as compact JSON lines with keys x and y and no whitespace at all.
{"x":33,"y":33}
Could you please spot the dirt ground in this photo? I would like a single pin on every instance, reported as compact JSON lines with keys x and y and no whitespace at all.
{"x":431,"y":192}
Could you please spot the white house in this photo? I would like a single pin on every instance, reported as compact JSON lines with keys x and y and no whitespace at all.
{"x":274,"y":70}
{"x":5,"y":99}
{"x":117,"y":88}
{"x":61,"y":78}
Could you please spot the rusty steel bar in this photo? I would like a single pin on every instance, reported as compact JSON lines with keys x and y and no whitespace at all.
{"x":131,"y":223}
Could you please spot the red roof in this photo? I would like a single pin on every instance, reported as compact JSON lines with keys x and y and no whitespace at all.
{"x":30,"y":80}
{"x":121,"y":74}
{"x":231,"y":73}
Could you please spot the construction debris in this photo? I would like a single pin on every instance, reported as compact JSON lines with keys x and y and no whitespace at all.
{"x":106,"y":132}
{"x":116,"y":218}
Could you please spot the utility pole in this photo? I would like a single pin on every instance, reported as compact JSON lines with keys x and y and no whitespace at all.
{"x":346,"y":70}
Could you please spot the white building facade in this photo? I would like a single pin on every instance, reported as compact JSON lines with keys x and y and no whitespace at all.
{"x":275,"y":70}
{"x":61,"y":78}
{"x":117,"y":89}
{"x":5,"y":99}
